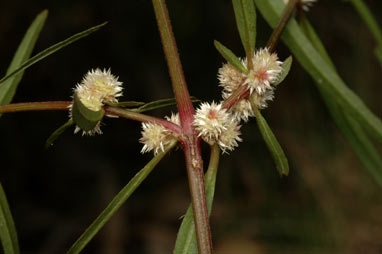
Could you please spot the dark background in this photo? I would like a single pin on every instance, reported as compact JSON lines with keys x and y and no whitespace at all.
{"x":328,"y":204}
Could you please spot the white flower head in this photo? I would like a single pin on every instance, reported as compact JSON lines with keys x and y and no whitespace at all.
{"x":229,"y":138}
{"x":306,"y":4}
{"x":215,"y":125}
{"x":95,"y":90}
{"x":230,"y":78}
{"x":210,"y":120}
{"x":266,"y":71}
{"x":156,"y":137}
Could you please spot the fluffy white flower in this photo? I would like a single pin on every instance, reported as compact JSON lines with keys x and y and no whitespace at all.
{"x":215,"y":125}
{"x":95,"y":90}
{"x":156,"y":137}
{"x":306,"y":4}
{"x":266,"y":71}
{"x":229,"y":138}
{"x":210,"y":121}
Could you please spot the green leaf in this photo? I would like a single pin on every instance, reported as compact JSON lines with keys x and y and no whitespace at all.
{"x":8,"y":88}
{"x":272,"y":144}
{"x":286,"y":68}
{"x":127,"y":104}
{"x":230,"y":57}
{"x":118,"y":201}
{"x":160,"y":104}
{"x":245,"y":14}
{"x":8,"y":234}
{"x":49,"y":51}
{"x":321,"y":71}
{"x":85,"y":118}
{"x":350,"y":128}
{"x":371,"y":23}
{"x":49,"y":142}
{"x":186,"y":239}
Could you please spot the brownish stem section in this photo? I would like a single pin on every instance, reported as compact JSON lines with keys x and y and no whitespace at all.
{"x":276,"y":34}
{"x":196,"y":184}
{"x":185,"y":108}
{"x":35,"y":106}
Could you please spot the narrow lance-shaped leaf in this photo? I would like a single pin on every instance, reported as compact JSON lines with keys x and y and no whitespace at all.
{"x":160,"y":104}
{"x":273,"y":145}
{"x":8,"y":88}
{"x":186,"y":239}
{"x":245,"y":14}
{"x":285,"y":70}
{"x":50,"y":50}
{"x":8,"y":234}
{"x":230,"y":57}
{"x":320,"y":70}
{"x":118,"y":201}
{"x":57,"y":133}
{"x":85,"y":118}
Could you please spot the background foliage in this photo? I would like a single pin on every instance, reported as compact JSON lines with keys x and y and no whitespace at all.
{"x":327,"y":203}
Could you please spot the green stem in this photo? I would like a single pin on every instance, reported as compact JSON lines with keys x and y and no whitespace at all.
{"x":117,"y":202}
{"x":275,"y":36}
{"x":185,"y":108}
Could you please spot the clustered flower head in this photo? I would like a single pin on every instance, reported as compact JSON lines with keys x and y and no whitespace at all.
{"x":265,"y":72}
{"x":306,"y":4}
{"x":95,"y":90}
{"x":215,"y":125}
{"x":156,"y":137}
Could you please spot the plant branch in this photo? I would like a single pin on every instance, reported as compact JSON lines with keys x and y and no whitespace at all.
{"x":194,"y":164}
{"x":35,"y":106}
{"x":125,"y":113}
{"x":276,"y":34}
{"x":185,"y":108}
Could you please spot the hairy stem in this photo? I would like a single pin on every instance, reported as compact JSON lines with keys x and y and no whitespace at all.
{"x":185,"y":108}
{"x":196,"y":183}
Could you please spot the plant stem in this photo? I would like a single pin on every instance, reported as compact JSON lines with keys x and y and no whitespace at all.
{"x":275,"y":36}
{"x":116,"y":111}
{"x":190,"y":141}
{"x":35,"y":106}
{"x":185,"y":108}
{"x":240,"y":93}
{"x":194,"y":164}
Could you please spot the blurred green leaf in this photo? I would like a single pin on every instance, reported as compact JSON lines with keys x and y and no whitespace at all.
{"x":57,"y":133}
{"x":245,"y":14}
{"x":118,"y":201}
{"x":272,"y":143}
{"x":8,"y":88}
{"x":186,"y":239}
{"x":8,"y":234}
{"x":371,"y":23}
{"x":127,"y":104}
{"x":230,"y":57}
{"x":350,"y":128}
{"x":49,"y":51}
{"x":286,"y":68}
{"x":322,"y":72}
{"x":85,"y":118}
